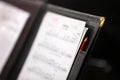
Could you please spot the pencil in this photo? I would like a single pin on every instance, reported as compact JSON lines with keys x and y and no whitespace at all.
{"x":83,"y":44}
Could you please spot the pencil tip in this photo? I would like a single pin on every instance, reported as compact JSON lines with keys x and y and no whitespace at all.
{"x":86,"y":38}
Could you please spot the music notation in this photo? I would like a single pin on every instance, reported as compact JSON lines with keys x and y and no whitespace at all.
{"x":54,"y":48}
{"x":12,"y":21}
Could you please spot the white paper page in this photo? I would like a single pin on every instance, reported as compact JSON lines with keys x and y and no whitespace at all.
{"x":12,"y":21}
{"x":83,"y":34}
{"x":54,"y":49}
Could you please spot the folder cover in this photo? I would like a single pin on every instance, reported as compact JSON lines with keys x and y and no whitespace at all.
{"x":53,"y":50}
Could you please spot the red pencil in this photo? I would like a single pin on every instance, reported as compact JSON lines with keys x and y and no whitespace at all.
{"x":83,"y":44}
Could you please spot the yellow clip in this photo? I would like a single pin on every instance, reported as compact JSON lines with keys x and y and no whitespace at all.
{"x":102,"y":19}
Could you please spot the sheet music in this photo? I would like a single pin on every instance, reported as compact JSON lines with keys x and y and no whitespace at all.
{"x":54,"y":49}
{"x":12,"y":21}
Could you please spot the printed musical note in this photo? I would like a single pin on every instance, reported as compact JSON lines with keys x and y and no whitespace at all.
{"x":12,"y":21}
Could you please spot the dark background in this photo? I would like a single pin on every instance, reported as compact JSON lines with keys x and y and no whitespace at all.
{"x":107,"y":44}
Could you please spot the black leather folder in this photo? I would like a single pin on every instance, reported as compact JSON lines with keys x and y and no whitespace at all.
{"x":94,"y":24}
